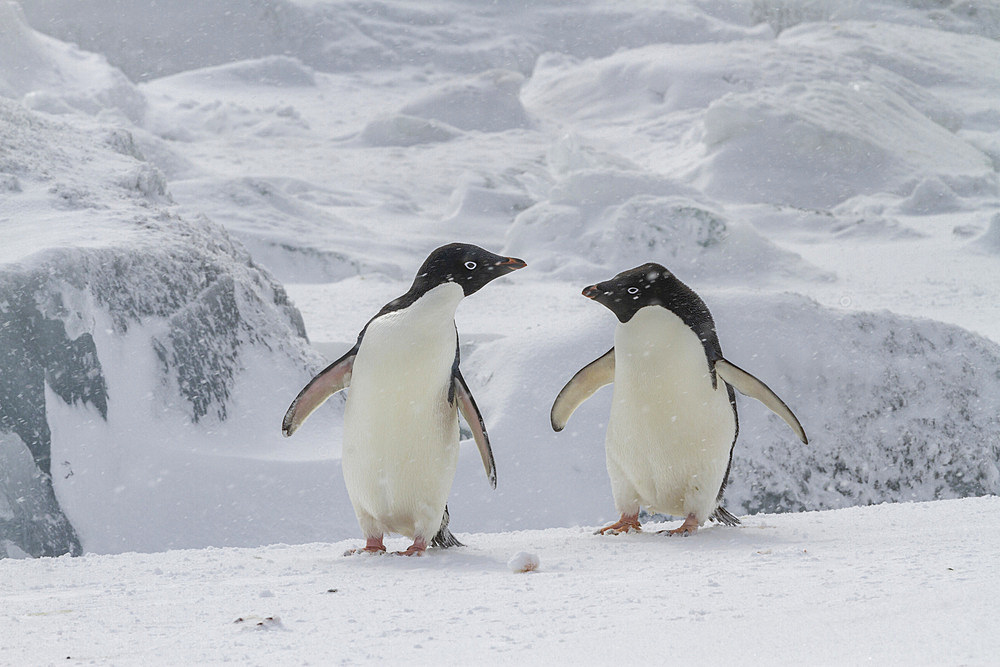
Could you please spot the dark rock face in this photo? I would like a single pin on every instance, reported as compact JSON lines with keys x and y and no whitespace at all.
{"x":35,"y":351}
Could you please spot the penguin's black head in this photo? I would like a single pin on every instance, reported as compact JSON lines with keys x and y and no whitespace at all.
{"x":647,"y":285}
{"x":652,"y":285}
{"x":466,"y":265}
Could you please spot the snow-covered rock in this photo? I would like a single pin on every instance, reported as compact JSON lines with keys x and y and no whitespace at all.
{"x":122,"y":328}
{"x":897,"y":408}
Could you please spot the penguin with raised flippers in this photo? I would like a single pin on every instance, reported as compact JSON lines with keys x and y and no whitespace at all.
{"x":401,"y":430}
{"x":673,"y":422}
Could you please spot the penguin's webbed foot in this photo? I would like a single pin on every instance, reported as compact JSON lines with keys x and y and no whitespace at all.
{"x":373,"y":545}
{"x":626,"y":524}
{"x":418,"y":548}
{"x":687,"y":528}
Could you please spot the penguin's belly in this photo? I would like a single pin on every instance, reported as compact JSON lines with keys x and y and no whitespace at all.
{"x":669,"y":433}
{"x":400,"y":432}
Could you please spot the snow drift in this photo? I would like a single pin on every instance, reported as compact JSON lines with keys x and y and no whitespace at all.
{"x":59,"y":78}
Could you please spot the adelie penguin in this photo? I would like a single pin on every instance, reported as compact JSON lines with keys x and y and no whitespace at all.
{"x":673,"y":421}
{"x":401,"y":431}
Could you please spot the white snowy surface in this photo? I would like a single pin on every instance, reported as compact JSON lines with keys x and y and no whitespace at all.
{"x":898,"y":584}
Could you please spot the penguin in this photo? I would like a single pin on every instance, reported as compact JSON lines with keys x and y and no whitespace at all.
{"x":673,"y":423}
{"x":401,"y":432}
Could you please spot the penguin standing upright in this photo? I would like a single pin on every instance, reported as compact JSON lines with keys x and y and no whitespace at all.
{"x":673,"y":424}
{"x":401,"y":431}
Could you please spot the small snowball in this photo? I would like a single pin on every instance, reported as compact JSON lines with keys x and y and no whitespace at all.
{"x":269,"y":623}
{"x":522,"y":561}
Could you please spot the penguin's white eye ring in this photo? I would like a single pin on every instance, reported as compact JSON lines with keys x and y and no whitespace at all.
{"x":633,"y":290}
{"x":470,"y":265}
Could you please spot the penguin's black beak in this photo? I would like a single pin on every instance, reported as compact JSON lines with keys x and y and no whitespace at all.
{"x":512,"y":263}
{"x":591,"y":292}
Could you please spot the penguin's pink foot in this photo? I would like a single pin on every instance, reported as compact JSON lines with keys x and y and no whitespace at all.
{"x":626,"y":524}
{"x":689,"y":526}
{"x":373,"y":545}
{"x":418,"y":548}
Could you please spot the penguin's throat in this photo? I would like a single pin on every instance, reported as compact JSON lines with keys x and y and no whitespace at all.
{"x":435,"y":304}
{"x":412,"y":349}
{"x":656,"y":346}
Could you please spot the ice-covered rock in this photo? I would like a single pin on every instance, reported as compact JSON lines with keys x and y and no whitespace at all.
{"x":31,"y":520}
{"x":113,"y":308}
{"x":896,"y":408}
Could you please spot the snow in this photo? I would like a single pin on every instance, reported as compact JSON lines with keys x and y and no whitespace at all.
{"x":899,"y":584}
{"x":180,"y":208}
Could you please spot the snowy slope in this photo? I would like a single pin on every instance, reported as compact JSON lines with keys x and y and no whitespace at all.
{"x":824,"y":174}
{"x":904,"y":584}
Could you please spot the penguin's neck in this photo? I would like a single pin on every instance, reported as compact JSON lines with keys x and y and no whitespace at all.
{"x":431,"y":317}
{"x":410,"y":352}
{"x":656,"y":346}
{"x":436,"y":304}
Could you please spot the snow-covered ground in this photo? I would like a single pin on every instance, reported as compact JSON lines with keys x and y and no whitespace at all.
{"x":824,"y":174}
{"x":895,"y":584}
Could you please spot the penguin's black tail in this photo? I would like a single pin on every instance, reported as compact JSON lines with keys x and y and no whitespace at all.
{"x":723,"y":516}
{"x":444,"y":538}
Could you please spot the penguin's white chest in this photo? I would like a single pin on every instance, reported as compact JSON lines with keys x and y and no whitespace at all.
{"x":669,"y":433}
{"x":400,"y":432}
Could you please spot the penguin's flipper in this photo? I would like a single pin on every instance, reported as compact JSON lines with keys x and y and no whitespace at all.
{"x":327,"y":382}
{"x":750,"y":386}
{"x":590,"y":378}
{"x":474,"y":419}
